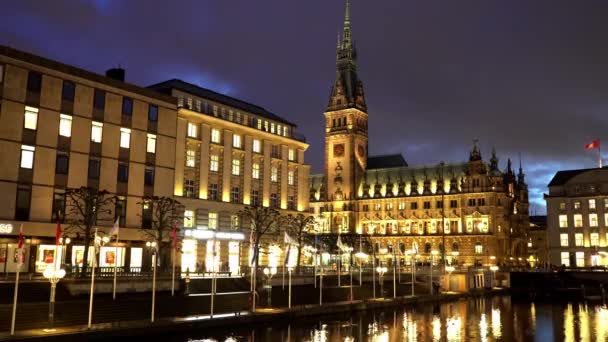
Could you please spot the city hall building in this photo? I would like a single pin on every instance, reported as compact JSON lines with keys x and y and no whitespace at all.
{"x":471,"y":212}
{"x":62,"y":127}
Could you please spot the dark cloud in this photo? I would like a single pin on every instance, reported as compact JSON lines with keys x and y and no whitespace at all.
{"x":523,"y":76}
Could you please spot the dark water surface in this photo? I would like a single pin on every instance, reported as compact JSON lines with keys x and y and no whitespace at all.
{"x":482,"y":319}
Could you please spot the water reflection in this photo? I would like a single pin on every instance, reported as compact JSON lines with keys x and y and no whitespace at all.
{"x":490,"y":319}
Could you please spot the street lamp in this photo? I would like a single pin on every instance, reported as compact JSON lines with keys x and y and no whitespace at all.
{"x":269,"y":272}
{"x":151,"y":245}
{"x":54,"y":276}
{"x":98,"y":241}
{"x":433,"y":253}
{"x":493,"y":268}
{"x":64,"y":243}
{"x":381,"y":270}
{"x":449,"y":269}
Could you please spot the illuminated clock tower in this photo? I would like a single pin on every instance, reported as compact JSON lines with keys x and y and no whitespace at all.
{"x":345,"y":124}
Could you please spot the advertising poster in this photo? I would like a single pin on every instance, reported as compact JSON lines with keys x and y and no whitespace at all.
{"x":110,"y":257}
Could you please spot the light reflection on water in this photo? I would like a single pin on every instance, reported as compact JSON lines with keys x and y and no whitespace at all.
{"x":487,"y":320}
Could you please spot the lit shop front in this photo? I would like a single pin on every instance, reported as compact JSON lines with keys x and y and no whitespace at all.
{"x":206,"y":250}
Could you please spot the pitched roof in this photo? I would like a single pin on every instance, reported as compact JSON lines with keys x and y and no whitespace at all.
{"x":166,"y":86}
{"x":562,"y":177}
{"x":386,"y":161}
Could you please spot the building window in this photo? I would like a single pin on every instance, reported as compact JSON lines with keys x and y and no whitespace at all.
{"x":62,"y":163}
{"x":255,"y":198}
{"x":592,"y":204}
{"x":377,"y":206}
{"x":152,"y":113}
{"x":427,"y":205}
{"x":276,"y":151}
{"x":235,"y":195}
{"x":578,"y":220}
{"x":67,"y":93}
{"x":96,"y":131}
{"x":414,"y":205}
{"x":94,"y":166}
{"x":580,"y":259}
{"x":192,"y":130}
{"x":214,"y":163}
{"x":99,"y":99}
{"x":123,"y":172}
{"x":478,"y":248}
{"x":125,"y":137}
{"x":565,"y":257}
{"x":562,"y":206}
{"x":65,"y":125}
{"x":34,"y":82}
{"x":401,"y":206}
{"x":236,"y":167}
{"x":563,"y":240}
{"x":579,"y":239}
{"x":471,"y":202}
{"x":481,"y":202}
{"x":191,"y":158}
{"x":127,"y":106}
{"x":594,"y":238}
{"x":234,"y":222}
{"x":453,"y":204}
{"x":120,"y":211}
{"x":290,"y":178}
{"x":577,"y":205}
{"x":215,"y":136}
{"x":27,"y":156}
{"x":292,"y":154}
{"x":212,"y":220}
{"x":291,"y":203}
{"x":389,"y":206}
{"x":592,"y":220}
{"x":149,"y":176}
{"x":31,"y":118}
{"x":190,"y":188}
{"x":255,"y":173}
{"x":274,"y":201}
{"x":439,"y":205}
{"x":274,"y":174}
{"x":151,"y":144}
{"x":236,"y":141}
{"x":213,"y":192}
{"x":257,"y":147}
{"x":146,"y":214}
{"x":58,"y":211}
{"x":22,"y":208}
{"x":189,"y":218}
{"x":563,"y":221}
{"x":606,"y":203}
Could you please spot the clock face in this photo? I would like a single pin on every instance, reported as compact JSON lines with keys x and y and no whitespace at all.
{"x":339,"y":150}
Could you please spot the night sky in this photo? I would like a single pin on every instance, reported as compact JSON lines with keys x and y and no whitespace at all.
{"x":523,"y":76}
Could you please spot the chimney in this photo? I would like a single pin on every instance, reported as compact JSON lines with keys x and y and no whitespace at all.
{"x":116,"y":73}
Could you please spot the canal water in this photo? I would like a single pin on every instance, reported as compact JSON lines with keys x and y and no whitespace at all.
{"x":482,"y":319}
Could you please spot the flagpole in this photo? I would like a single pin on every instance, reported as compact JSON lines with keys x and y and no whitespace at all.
{"x":360,"y":262}
{"x":19,"y":262}
{"x":92,"y":280}
{"x":283,"y":271}
{"x":115,"y":268}
{"x":173,"y":271}
{"x":339,"y":260}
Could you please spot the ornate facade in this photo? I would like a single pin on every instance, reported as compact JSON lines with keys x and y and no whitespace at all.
{"x":395,"y":207}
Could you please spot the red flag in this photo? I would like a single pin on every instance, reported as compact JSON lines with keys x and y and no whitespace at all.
{"x":58,"y":234}
{"x":20,"y":244}
{"x":174,"y":235}
{"x":594,"y":144}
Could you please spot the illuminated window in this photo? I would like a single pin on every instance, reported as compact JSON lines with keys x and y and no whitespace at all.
{"x":259,"y":124}
{"x":577,"y":205}
{"x":562,"y":205}
{"x":214,"y":163}
{"x":389,"y":206}
{"x":401,"y":206}
{"x":189,"y":218}
{"x":257,"y":147}
{"x":215,"y":136}
{"x":290,"y":178}
{"x":212,"y":220}
{"x":594,"y":239}
{"x":234,"y":222}
{"x":591,"y":204}
{"x":31,"y":118}
{"x":563,"y":240}
{"x":192,"y":130}
{"x":286,"y":131}
{"x":606,"y":203}
{"x":274,"y":174}
{"x":65,"y":125}
{"x":236,"y":167}
{"x":292,"y":154}
{"x":125,"y":137}
{"x":592,"y":220}
{"x":563,"y":221}
{"x":189,"y":188}
{"x":27,"y":156}
{"x":96,"y":131}
{"x":580,"y":259}
{"x":565,"y":257}
{"x":579,"y":239}
{"x":478,"y":248}
{"x":236,"y":141}
{"x":272,"y":127}
{"x":606,"y":219}
{"x":151,"y":145}
{"x":578,"y":220}
{"x":190,"y":158}
{"x":256,"y":171}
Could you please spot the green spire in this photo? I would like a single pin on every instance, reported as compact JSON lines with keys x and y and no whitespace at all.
{"x":346,"y":43}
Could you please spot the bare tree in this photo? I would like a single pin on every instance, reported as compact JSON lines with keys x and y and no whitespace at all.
{"x":84,"y":207}
{"x":159,"y":214}
{"x":297,"y":227}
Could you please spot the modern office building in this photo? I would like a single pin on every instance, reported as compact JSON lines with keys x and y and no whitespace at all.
{"x":471,"y":212}
{"x":577,"y":218}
